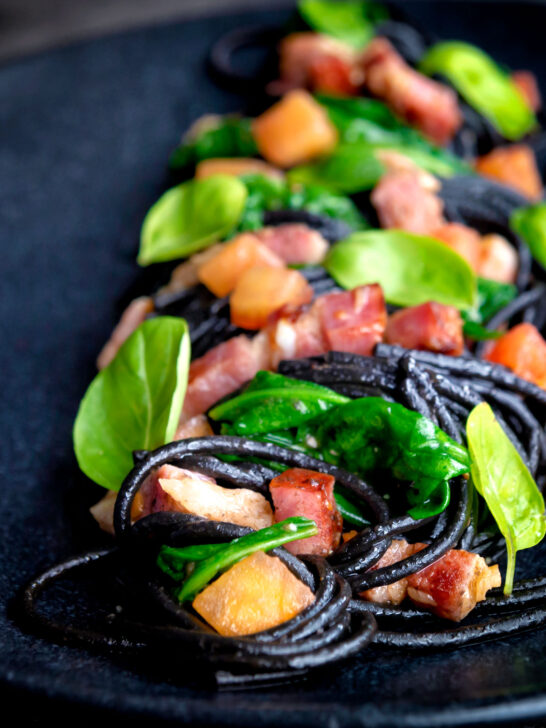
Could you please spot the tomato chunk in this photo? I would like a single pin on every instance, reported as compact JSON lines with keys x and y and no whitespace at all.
{"x":429,"y":327}
{"x":221,"y":273}
{"x":263,"y":290}
{"x":236,"y":166}
{"x":300,"y":492}
{"x":294,"y":130}
{"x":514,"y":165}
{"x":258,"y":593}
{"x":523,"y":350}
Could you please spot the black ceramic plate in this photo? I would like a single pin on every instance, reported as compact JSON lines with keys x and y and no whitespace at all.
{"x":85,"y":136}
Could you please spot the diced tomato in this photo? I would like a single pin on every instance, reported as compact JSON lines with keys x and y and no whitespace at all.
{"x":294,"y":243}
{"x":514,"y":165}
{"x":430,"y":106}
{"x":236,"y":166}
{"x":353,"y":321}
{"x":222,"y":370}
{"x":263,"y":290}
{"x":330,"y":74}
{"x":403,"y":203}
{"x":498,"y":259}
{"x":135,"y":314}
{"x":452,"y":586}
{"x":463,"y":240}
{"x":257,"y":593}
{"x":299,"y":53}
{"x":396,"y":592}
{"x":428,"y":327}
{"x":299,"y":492}
{"x":294,"y":130}
{"x":523,"y":350}
{"x":221,"y":273}
{"x":527,"y":83}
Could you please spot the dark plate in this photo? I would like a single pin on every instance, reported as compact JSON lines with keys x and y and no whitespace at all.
{"x":85,"y":136}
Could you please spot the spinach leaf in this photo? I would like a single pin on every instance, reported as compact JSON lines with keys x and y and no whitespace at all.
{"x":501,"y":477}
{"x":411,"y":269}
{"x":135,"y":402}
{"x":321,"y":201}
{"x":530,"y":223}
{"x":368,"y":121}
{"x":275,"y":402}
{"x":355,"y":167}
{"x":190,"y":217}
{"x":216,"y":558}
{"x":264,"y":193}
{"x":371,"y":434}
{"x":351,"y":21}
{"x":483,"y":84}
{"x":214,"y":136}
{"x":492,"y":297}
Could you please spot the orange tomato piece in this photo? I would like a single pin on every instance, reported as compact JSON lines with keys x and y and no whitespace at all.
{"x":236,"y":166}
{"x":523,"y":350}
{"x":221,"y":273}
{"x":257,"y":593}
{"x":261,"y":291}
{"x":514,"y":165}
{"x":294,"y":130}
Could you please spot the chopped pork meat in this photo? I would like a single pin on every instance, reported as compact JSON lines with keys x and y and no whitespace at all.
{"x":135,"y":314}
{"x":428,"y":327}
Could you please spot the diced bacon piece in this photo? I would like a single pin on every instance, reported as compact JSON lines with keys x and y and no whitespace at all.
{"x":430,"y":106}
{"x":398,"y":162}
{"x":257,"y":593}
{"x":353,"y":321}
{"x":514,"y":165}
{"x":330,"y":74}
{"x":295,"y":334}
{"x":221,"y":273}
{"x":463,"y":240}
{"x":428,"y":327}
{"x":236,"y":166}
{"x":299,"y":492}
{"x":523,"y":350}
{"x":403,"y":203}
{"x":294,"y":130}
{"x":396,"y":592}
{"x":261,"y":291}
{"x":183,"y":491}
{"x":294,"y":243}
{"x":302,"y":57}
{"x":527,"y":83}
{"x":197,"y":426}
{"x":452,"y":586}
{"x":498,"y":259}
{"x":135,"y":314}
{"x":222,"y":370}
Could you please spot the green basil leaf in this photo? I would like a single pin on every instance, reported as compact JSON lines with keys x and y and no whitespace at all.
{"x":351,"y":21}
{"x":368,"y":121}
{"x":135,"y":402}
{"x":190,"y":217}
{"x":355,"y":167}
{"x":492,"y":297}
{"x":275,"y":402}
{"x":214,"y":136}
{"x":530,"y":224}
{"x":501,"y":477}
{"x":411,"y":269}
{"x":483,"y":84}
{"x":264,"y":193}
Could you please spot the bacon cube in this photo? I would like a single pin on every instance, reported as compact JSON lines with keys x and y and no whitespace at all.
{"x":428,"y":327}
